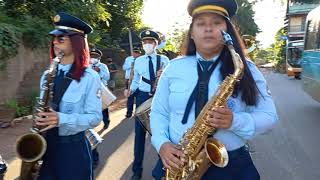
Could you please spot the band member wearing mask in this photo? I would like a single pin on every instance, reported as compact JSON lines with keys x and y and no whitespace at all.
{"x":190,"y":81}
{"x":76,"y":103}
{"x":129,"y":61}
{"x":146,"y":69}
{"x":102,"y":70}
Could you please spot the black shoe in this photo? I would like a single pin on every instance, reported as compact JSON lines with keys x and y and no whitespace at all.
{"x":136,"y":177}
{"x":128,"y":115}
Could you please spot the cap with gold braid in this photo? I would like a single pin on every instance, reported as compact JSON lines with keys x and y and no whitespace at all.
{"x":149,"y":34}
{"x":68,"y":24}
{"x":225,"y":8}
{"x":96,"y":52}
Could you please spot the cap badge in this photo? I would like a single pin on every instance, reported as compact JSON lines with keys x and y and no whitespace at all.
{"x":56,"y":18}
{"x":147,"y":32}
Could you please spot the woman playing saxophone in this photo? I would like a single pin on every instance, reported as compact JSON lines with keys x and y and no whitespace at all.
{"x":189,"y":82}
{"x":75,"y":105}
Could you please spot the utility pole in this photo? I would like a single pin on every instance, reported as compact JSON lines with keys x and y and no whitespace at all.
{"x":130,"y":42}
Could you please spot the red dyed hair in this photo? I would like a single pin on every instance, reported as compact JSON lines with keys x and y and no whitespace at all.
{"x":81,"y":55}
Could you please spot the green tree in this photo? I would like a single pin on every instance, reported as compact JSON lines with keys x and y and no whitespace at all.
{"x":92,"y":11}
{"x":244,"y":18}
{"x":125,"y":15}
{"x":279,"y":50}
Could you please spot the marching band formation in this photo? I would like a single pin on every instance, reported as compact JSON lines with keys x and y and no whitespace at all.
{"x":200,"y":109}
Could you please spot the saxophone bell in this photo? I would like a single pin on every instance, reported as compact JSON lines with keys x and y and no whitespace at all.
{"x":216,"y":152}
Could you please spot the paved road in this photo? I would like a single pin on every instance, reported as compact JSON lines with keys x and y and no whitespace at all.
{"x":289,"y":152}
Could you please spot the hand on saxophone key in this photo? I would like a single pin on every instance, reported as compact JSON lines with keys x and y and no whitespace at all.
{"x":172,"y":155}
{"x":220,"y":117}
{"x":48,"y":119}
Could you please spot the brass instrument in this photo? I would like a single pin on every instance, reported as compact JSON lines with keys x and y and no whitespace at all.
{"x":198,"y":148}
{"x":32,"y":146}
{"x":143,"y":111}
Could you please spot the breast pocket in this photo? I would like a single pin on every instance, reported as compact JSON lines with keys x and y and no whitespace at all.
{"x":179,"y":95}
{"x":72,"y":103}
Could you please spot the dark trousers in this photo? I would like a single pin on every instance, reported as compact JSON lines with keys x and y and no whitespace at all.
{"x":140,"y":136}
{"x":66,"y":158}
{"x":95,"y":155}
{"x":240,"y":167}
{"x":105,"y":118}
{"x":130,"y":103}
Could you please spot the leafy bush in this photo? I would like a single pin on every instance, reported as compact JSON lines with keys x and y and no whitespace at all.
{"x":10,"y":37}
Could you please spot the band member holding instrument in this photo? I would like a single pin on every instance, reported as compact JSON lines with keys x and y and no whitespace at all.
{"x":102,"y":70}
{"x":76,"y":103}
{"x":127,"y":67}
{"x":145,"y":73}
{"x":190,"y":81}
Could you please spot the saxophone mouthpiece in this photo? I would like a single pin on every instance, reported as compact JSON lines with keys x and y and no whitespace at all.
{"x":227,"y":38}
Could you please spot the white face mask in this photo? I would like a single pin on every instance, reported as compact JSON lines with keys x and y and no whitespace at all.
{"x":94,"y":60}
{"x":148,"y":48}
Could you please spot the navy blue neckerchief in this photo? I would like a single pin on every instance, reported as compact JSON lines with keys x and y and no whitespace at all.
{"x":61,"y":84}
{"x":199,"y":94}
{"x":152,"y":73}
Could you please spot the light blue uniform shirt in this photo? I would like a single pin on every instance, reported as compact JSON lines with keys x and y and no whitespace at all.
{"x":141,"y":69}
{"x":174,"y":89}
{"x":104,"y":72}
{"x":80,"y":106}
{"x":127,"y":66}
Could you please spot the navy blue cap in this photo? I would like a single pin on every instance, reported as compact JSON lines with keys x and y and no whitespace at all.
{"x":68,"y":24}
{"x":96,"y":52}
{"x":226,"y":8}
{"x":136,"y":49}
{"x":149,"y":34}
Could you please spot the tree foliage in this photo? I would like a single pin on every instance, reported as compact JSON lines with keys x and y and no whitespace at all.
{"x":245,"y":18}
{"x":125,"y":15}
{"x":33,"y":20}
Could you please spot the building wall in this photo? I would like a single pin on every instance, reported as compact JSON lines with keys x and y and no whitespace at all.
{"x":27,"y":61}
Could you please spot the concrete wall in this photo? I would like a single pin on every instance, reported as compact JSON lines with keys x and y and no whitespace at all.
{"x":27,"y":65}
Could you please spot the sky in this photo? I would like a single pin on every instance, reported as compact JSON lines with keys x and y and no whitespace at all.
{"x":164,"y":15}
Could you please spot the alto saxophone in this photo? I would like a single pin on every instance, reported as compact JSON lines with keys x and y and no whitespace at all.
{"x":198,"y":147}
{"x":32,"y":146}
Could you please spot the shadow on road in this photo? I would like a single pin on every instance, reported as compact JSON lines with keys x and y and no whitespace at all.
{"x":150,"y":160}
{"x":112,"y":141}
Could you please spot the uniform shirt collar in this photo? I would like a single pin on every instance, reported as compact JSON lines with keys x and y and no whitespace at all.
{"x":64,"y":67}
{"x":200,"y":58}
{"x":152,"y":55}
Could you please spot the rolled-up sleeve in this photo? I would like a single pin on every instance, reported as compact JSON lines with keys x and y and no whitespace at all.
{"x":256,"y":119}
{"x":160,"y":114}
